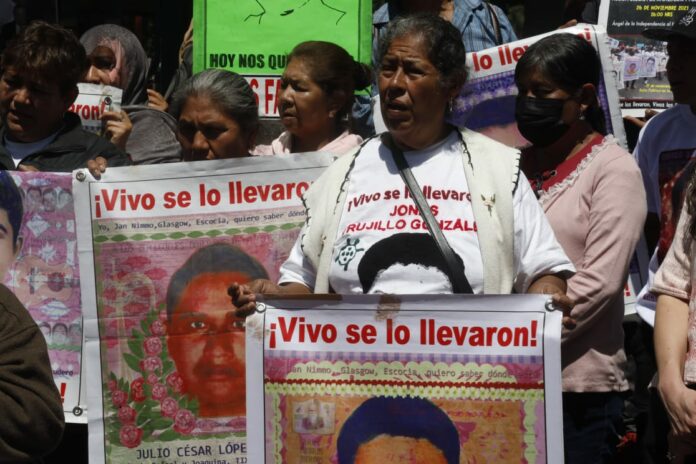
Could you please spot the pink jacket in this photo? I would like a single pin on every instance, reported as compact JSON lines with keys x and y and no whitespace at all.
{"x":283,"y":145}
{"x":597,"y":214}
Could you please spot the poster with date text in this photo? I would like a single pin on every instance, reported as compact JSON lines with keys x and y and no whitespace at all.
{"x":640,"y":63}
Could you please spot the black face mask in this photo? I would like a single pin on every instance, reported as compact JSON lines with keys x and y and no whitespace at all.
{"x":539,"y":119}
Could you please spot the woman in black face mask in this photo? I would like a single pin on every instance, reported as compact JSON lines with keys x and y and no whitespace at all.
{"x":592,"y":193}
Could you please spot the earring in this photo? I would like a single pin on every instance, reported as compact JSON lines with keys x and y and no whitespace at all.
{"x":450,"y":105}
{"x":332,"y":114}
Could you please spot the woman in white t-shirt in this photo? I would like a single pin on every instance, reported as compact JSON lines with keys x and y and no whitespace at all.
{"x":364,"y":233}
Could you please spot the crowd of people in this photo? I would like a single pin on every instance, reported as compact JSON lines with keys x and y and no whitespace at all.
{"x":561,"y":216}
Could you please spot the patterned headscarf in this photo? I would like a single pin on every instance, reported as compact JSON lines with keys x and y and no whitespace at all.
{"x":131,"y":61}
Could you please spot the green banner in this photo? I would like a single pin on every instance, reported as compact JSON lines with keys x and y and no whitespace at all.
{"x":253,"y":37}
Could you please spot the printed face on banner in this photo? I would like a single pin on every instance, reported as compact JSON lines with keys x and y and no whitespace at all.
{"x":398,"y":430}
{"x":386,"y":449}
{"x":7,"y":248}
{"x":206,"y":342}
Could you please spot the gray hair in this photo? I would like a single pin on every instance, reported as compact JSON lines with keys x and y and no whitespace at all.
{"x":228,"y":91}
{"x":442,"y":40}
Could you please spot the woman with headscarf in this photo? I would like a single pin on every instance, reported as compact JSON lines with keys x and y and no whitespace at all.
{"x":118,"y":59}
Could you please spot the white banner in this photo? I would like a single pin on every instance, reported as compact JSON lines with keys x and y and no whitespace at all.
{"x":93,"y":101}
{"x":160,"y":245}
{"x":467,"y":378}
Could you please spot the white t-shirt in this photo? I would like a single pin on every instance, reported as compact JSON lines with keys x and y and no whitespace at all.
{"x":383,"y":245}
{"x":665,"y":146}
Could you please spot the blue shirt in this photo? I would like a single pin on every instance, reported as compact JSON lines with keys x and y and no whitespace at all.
{"x":471,"y":17}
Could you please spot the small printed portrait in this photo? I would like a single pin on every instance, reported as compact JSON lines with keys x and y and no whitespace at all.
{"x":45,"y":329}
{"x":11,"y":212}
{"x":75,"y":334}
{"x":65,"y":200}
{"x":204,"y":337}
{"x":314,"y":416}
{"x":384,"y":265}
{"x":49,"y":200}
{"x":386,"y":430}
{"x":59,"y":334}
{"x":34,"y":199}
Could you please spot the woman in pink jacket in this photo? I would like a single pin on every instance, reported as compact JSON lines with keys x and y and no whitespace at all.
{"x":592,"y":193}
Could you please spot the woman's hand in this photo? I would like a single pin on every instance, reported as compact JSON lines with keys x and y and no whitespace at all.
{"x":680,"y":403}
{"x":27,"y":168}
{"x":97,"y":166}
{"x":566,"y":304}
{"x":244,"y":296}
{"x":556,"y":287}
{"x":640,"y":122}
{"x":156,"y":100}
{"x":117,"y":127}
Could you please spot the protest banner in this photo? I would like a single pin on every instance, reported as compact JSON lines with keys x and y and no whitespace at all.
{"x":487,"y":101}
{"x":643,"y":82}
{"x":453,"y":379}
{"x":159,"y":246}
{"x":91,"y":103}
{"x":46,"y":279}
{"x":254,"y":37}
